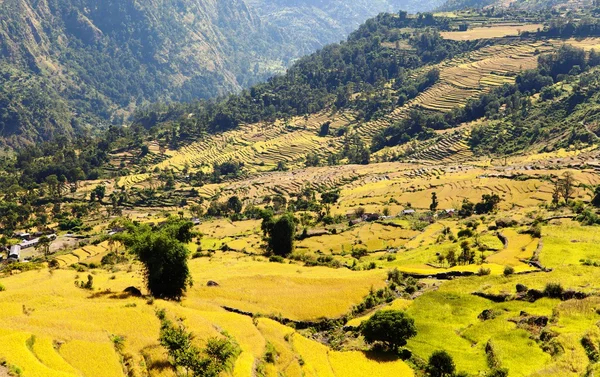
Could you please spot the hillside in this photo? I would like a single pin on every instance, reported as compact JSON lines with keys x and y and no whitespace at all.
{"x":104,"y":59}
{"x":441,"y":175}
{"x":101,"y":61}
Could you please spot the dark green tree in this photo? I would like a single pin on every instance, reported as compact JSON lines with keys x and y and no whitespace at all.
{"x":99,"y":192}
{"x":392,"y":328}
{"x":434,"y":202}
{"x":163,"y":254}
{"x":281,"y":235}
{"x":235,"y":204}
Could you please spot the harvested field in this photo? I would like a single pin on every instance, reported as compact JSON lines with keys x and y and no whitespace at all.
{"x":494,"y":31}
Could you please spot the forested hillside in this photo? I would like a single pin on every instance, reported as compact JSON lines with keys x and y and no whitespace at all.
{"x":103,"y":57}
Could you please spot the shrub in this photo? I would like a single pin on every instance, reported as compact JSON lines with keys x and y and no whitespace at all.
{"x":276,"y":259}
{"x":2,"y":288}
{"x":506,"y":223}
{"x":359,"y":253}
{"x":521,"y":288}
{"x":465,"y":233}
{"x":270,"y":353}
{"x":440,"y":364}
{"x":498,"y":372}
{"x":508,"y":270}
{"x":553,"y":290}
{"x":483,"y":271}
{"x":392,"y":328}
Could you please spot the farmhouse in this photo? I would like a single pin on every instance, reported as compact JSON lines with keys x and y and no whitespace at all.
{"x":408,"y":212}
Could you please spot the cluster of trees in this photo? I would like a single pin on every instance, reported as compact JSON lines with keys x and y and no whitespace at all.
{"x":489,"y":203}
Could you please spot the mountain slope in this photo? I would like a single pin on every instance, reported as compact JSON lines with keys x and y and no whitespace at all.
{"x":112,"y":55}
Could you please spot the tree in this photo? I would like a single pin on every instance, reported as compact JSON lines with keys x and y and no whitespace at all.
{"x":596,"y":198}
{"x":466,"y":209}
{"x":99,"y":192}
{"x":440,"y":364}
{"x":390,"y":327}
{"x":281,"y":236}
{"x":197,"y":210}
{"x":163,"y":254}
{"x":235,"y":204}
{"x":567,"y":186}
{"x":330,"y":197}
{"x":556,"y":192}
{"x":434,"y":202}
{"x":43,"y":245}
{"x":359,"y":212}
{"x":489,"y":203}
{"x":324,"y":131}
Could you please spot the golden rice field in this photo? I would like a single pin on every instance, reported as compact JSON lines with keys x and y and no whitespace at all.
{"x":492,"y":31}
{"x":50,"y":327}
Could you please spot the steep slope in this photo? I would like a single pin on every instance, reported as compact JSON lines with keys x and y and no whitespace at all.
{"x":112,"y":55}
{"x":311,"y":24}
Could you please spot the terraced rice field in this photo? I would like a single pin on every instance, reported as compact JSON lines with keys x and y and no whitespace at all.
{"x":87,"y":254}
{"x":262,"y":146}
{"x":494,"y":31}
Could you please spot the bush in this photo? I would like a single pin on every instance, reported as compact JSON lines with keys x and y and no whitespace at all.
{"x":508,"y":270}
{"x":521,"y":288}
{"x":276,"y":259}
{"x":440,"y":364}
{"x":506,"y":223}
{"x":359,"y":253}
{"x":392,"y":328}
{"x":2,"y":288}
{"x":270,"y":353}
{"x":553,"y":290}
{"x":483,"y":271}
{"x":465,"y":233}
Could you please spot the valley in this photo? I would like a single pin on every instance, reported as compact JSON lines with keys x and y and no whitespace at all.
{"x":447,"y":179}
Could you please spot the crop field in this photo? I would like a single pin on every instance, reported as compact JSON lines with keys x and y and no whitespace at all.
{"x":51,"y":327}
{"x":493,"y":31}
{"x":262,"y":146}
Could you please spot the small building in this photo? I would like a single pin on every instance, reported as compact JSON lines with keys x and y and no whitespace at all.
{"x":23,"y":236}
{"x":30,"y":243}
{"x":408,"y":212}
{"x":196,"y":221}
{"x":14,"y":254}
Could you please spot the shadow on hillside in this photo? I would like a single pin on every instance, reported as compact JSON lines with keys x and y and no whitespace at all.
{"x":159,"y":366}
{"x":129,"y":292}
{"x":381,"y":356}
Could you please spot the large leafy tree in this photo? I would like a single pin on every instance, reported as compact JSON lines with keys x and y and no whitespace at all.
{"x":392,"y":328}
